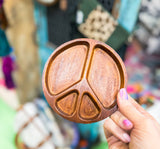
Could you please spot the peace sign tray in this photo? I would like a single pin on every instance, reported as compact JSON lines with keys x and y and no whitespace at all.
{"x":81,"y":80}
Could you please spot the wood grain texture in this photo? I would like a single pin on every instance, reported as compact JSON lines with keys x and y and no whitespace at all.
{"x":81,"y":80}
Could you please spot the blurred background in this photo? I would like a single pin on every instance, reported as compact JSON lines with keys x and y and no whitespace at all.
{"x":30,"y":30}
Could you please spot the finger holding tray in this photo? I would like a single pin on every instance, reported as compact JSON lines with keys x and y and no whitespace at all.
{"x":81,"y":80}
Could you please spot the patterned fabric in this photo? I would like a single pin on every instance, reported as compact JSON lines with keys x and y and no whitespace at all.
{"x":97,"y":23}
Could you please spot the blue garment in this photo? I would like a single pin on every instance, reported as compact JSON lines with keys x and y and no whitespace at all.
{"x":4,"y":45}
{"x":129,"y":13}
{"x":89,"y":132}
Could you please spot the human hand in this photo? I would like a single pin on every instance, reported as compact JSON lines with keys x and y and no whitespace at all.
{"x":131,"y":127}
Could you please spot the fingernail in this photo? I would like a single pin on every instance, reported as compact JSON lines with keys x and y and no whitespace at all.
{"x":123,"y":94}
{"x":126,"y":137}
{"x":127,"y":123}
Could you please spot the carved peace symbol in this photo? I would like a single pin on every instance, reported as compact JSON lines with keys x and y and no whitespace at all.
{"x":81,"y":80}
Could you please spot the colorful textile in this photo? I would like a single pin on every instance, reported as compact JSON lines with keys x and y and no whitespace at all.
{"x":129,"y":13}
{"x":4,"y":45}
{"x":7,"y":68}
{"x":1,"y":2}
{"x":95,"y":22}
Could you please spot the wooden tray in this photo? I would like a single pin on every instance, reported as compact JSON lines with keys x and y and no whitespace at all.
{"x":81,"y":80}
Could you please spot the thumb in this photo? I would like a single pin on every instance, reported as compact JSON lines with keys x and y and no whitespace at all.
{"x":128,"y":109}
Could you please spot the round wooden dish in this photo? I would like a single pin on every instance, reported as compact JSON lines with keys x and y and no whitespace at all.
{"x":81,"y":80}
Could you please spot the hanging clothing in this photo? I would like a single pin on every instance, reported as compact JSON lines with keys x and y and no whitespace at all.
{"x":1,"y":2}
{"x":7,"y":68}
{"x":3,"y":18}
{"x":61,"y":24}
{"x":4,"y":45}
